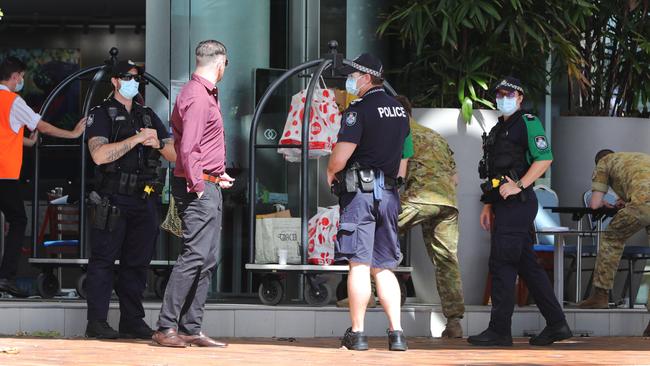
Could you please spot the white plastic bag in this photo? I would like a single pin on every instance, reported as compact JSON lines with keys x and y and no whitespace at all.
{"x":276,"y":233}
{"x":324,"y":125}
{"x":322,"y":229}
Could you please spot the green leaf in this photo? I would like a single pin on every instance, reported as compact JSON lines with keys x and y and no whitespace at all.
{"x":466,"y":110}
{"x":488,"y":8}
{"x":461,"y":90}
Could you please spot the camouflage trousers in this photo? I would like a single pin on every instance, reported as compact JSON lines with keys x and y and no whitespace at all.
{"x":626,"y":223}
{"x":440,"y":231}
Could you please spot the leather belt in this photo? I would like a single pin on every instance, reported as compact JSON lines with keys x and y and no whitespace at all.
{"x":211,"y":178}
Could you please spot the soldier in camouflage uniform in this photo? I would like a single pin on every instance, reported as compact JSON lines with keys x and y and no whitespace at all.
{"x":628,"y":174}
{"x":430,"y":200}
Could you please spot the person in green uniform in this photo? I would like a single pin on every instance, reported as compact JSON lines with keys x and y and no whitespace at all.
{"x":628,"y":174}
{"x":429,"y":200}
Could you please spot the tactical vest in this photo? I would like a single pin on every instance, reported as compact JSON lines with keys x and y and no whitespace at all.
{"x":503,"y":154}
{"x":142,"y":161}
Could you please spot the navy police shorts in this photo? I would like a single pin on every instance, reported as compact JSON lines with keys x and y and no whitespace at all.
{"x":368,"y":229}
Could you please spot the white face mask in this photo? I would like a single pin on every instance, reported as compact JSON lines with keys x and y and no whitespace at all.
{"x":507,"y":105}
{"x":20,"y":85}
{"x":129,"y":89}
{"x":351,"y":85}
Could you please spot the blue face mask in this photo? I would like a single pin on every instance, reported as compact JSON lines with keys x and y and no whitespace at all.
{"x":129,"y":89}
{"x":20,"y":85}
{"x":507,"y":105}
{"x":351,"y":85}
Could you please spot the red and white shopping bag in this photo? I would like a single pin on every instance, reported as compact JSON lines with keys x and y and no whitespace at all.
{"x":324,"y":124}
{"x":322,"y":229}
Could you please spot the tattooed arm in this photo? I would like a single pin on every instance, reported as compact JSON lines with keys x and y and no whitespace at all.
{"x":103,"y":153}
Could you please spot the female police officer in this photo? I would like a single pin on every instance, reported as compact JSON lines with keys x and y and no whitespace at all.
{"x":516,"y":147}
{"x":122,"y":135}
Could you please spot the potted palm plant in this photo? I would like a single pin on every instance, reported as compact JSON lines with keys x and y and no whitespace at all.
{"x":608,"y":100}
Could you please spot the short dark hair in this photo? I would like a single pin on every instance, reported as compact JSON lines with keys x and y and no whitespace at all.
{"x":602,"y":153}
{"x":376,"y":80}
{"x":405,"y":102}
{"x":10,"y":65}
{"x":207,"y":52}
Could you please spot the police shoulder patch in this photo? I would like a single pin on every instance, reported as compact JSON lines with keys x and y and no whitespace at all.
{"x":540,"y":142}
{"x":351,"y":118}
{"x":90,"y":119}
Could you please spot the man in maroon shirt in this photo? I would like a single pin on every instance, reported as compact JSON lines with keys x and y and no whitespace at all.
{"x":199,"y":176}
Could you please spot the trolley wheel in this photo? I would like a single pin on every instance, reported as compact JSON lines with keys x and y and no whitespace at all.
{"x":81,"y":286}
{"x":317,"y":295}
{"x":47,"y":285}
{"x":402,"y":289}
{"x":270,"y":291}
{"x":160,"y":285}
{"x":342,"y":289}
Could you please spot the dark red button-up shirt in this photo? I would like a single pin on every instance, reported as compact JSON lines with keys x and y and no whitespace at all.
{"x":198,"y":133}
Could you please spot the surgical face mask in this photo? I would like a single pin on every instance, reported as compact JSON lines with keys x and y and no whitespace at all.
{"x":20,"y":85}
{"x":507,"y":105}
{"x":129,"y":89}
{"x":351,"y":85}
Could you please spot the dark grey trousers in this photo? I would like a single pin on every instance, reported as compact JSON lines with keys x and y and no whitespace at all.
{"x":188,"y":285}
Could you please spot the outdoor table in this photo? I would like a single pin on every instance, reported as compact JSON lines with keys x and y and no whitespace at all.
{"x":560,"y":233}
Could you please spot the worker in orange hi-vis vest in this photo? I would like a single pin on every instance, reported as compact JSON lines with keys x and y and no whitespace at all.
{"x":14,"y":116}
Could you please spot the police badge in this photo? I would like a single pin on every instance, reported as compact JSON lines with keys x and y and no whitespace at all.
{"x":351,"y":118}
{"x":90,"y":120}
{"x":540,"y":142}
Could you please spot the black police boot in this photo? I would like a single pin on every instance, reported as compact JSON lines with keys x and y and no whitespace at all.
{"x":552,"y":333}
{"x":356,"y":341}
{"x":100,"y":330}
{"x":490,"y":338}
{"x":396,"y":340}
{"x":9,"y":286}
{"x":139,"y":330}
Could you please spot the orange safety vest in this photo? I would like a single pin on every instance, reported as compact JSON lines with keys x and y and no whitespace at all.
{"x":11,"y":143}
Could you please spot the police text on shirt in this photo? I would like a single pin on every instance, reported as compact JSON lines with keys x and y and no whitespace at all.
{"x":391,"y":112}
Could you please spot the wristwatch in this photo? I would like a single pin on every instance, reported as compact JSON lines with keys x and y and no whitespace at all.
{"x":161,"y":144}
{"x":520,"y":185}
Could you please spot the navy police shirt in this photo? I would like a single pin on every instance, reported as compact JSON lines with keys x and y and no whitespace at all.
{"x":378,"y":125}
{"x":127,"y":124}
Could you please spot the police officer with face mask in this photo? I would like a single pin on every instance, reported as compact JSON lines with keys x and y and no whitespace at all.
{"x":125,"y":140}
{"x":516,"y":153}
{"x":362,"y":171}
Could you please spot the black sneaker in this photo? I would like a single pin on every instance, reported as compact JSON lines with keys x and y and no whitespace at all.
{"x":136,"y":331}
{"x":550,"y":334}
{"x":10,"y":287}
{"x":356,"y":341}
{"x":490,"y":338}
{"x":396,"y":340}
{"x":101,"y":330}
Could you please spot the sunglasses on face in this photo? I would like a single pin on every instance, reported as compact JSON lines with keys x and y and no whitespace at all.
{"x":505,"y":94}
{"x":128,"y":77}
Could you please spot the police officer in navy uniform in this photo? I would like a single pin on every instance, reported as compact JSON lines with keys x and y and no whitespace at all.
{"x":125,"y":140}
{"x":516,"y":153}
{"x":363,"y":171}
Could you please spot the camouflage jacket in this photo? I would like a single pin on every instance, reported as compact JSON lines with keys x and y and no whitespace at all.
{"x":628,"y":173}
{"x":430,"y":169}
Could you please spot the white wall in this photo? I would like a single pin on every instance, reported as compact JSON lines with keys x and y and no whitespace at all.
{"x":473,"y":246}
